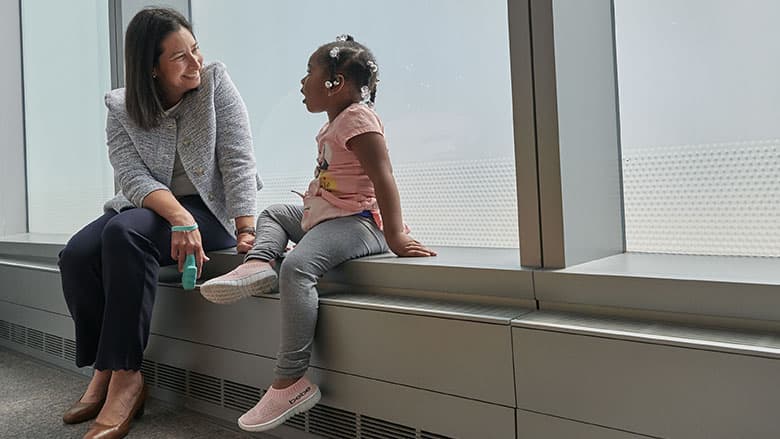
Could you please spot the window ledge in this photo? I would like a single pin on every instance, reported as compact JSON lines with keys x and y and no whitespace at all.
{"x":728,"y":291}
{"x":481,"y":274}
{"x":32,"y":245}
{"x":718,"y":286}
{"x":456,"y":272}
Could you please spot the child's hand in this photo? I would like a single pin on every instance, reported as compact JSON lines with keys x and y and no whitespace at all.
{"x":245,"y":242}
{"x":403,"y":245}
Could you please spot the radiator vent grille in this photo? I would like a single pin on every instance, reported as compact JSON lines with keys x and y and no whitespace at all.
{"x":18,"y":334}
{"x":240,"y":396}
{"x":5,"y":330}
{"x":69,"y":351}
{"x":52,"y":345}
{"x":206,"y":388}
{"x":372,"y":428}
{"x":35,"y":339}
{"x":149,"y":370}
{"x":298,"y":421}
{"x":332,"y":423}
{"x":172,"y":378}
{"x":329,"y":422}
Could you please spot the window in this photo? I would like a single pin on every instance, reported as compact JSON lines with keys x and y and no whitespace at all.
{"x":66,"y":73}
{"x":699,"y":109}
{"x":444,"y":98}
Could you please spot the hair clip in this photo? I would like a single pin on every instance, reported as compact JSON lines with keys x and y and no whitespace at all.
{"x":342,"y":38}
{"x":334,"y":52}
{"x":372,"y":66}
{"x":365,"y":93}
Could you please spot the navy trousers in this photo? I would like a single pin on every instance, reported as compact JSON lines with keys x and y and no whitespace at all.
{"x":109,"y":275}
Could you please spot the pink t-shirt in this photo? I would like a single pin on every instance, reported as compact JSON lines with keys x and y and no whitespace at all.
{"x":341,"y":186}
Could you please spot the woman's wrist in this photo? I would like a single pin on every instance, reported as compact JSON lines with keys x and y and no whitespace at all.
{"x":245,"y":221}
{"x":181,"y":219}
{"x":246,"y":230}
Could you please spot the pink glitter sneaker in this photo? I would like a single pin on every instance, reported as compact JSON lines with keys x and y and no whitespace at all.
{"x":250,"y":278}
{"x":279,"y":405}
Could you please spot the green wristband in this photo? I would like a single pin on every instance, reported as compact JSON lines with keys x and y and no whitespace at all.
{"x":184,"y":228}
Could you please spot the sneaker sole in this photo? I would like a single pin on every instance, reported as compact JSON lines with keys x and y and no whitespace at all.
{"x":292,"y":411}
{"x":232,"y":291}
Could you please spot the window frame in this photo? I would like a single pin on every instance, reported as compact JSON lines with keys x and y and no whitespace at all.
{"x":13,"y":167}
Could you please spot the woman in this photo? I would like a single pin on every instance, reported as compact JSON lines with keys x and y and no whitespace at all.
{"x":181,"y":148}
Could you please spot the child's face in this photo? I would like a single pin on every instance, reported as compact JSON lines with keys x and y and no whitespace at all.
{"x":315,"y":93}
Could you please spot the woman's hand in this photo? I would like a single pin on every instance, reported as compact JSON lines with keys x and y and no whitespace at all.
{"x":163,"y":203}
{"x":245,"y":242}
{"x":188,"y":243}
{"x":403,"y":245}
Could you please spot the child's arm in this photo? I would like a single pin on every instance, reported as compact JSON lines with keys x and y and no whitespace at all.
{"x":370,"y":149}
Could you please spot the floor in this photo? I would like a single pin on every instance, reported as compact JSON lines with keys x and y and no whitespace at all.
{"x":33,"y":396}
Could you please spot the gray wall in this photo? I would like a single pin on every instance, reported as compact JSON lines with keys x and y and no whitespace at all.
{"x":13,"y":195}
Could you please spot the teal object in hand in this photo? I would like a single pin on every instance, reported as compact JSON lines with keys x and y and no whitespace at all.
{"x":190,"y":273}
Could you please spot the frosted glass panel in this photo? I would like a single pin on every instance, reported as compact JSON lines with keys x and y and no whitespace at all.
{"x":699,"y":107}
{"x":66,"y":74}
{"x":444,"y":97}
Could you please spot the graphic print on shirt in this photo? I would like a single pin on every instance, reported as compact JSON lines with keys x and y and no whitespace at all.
{"x":322,"y":174}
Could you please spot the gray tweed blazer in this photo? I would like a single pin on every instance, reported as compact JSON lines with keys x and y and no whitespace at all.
{"x":210,"y":130}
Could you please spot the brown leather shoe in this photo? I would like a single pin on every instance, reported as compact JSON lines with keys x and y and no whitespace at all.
{"x":82,"y":411}
{"x":102,"y":431}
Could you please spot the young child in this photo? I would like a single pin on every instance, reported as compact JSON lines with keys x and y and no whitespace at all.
{"x":339,"y":220}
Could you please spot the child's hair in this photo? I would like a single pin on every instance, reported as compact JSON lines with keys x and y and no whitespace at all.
{"x":354,"y":61}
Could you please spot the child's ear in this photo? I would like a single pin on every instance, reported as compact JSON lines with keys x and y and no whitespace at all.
{"x":338,"y":85}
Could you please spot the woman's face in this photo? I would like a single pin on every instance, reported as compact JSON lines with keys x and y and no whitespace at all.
{"x":178,"y":69}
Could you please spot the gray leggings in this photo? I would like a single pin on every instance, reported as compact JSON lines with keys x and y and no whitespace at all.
{"x":323,"y":247}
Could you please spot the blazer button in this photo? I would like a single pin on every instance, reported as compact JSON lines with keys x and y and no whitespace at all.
{"x":186,"y":142}
{"x":199,"y":172}
{"x":211,"y":197}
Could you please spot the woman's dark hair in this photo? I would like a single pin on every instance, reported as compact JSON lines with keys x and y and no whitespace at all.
{"x":354,"y":61}
{"x":143,"y":46}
